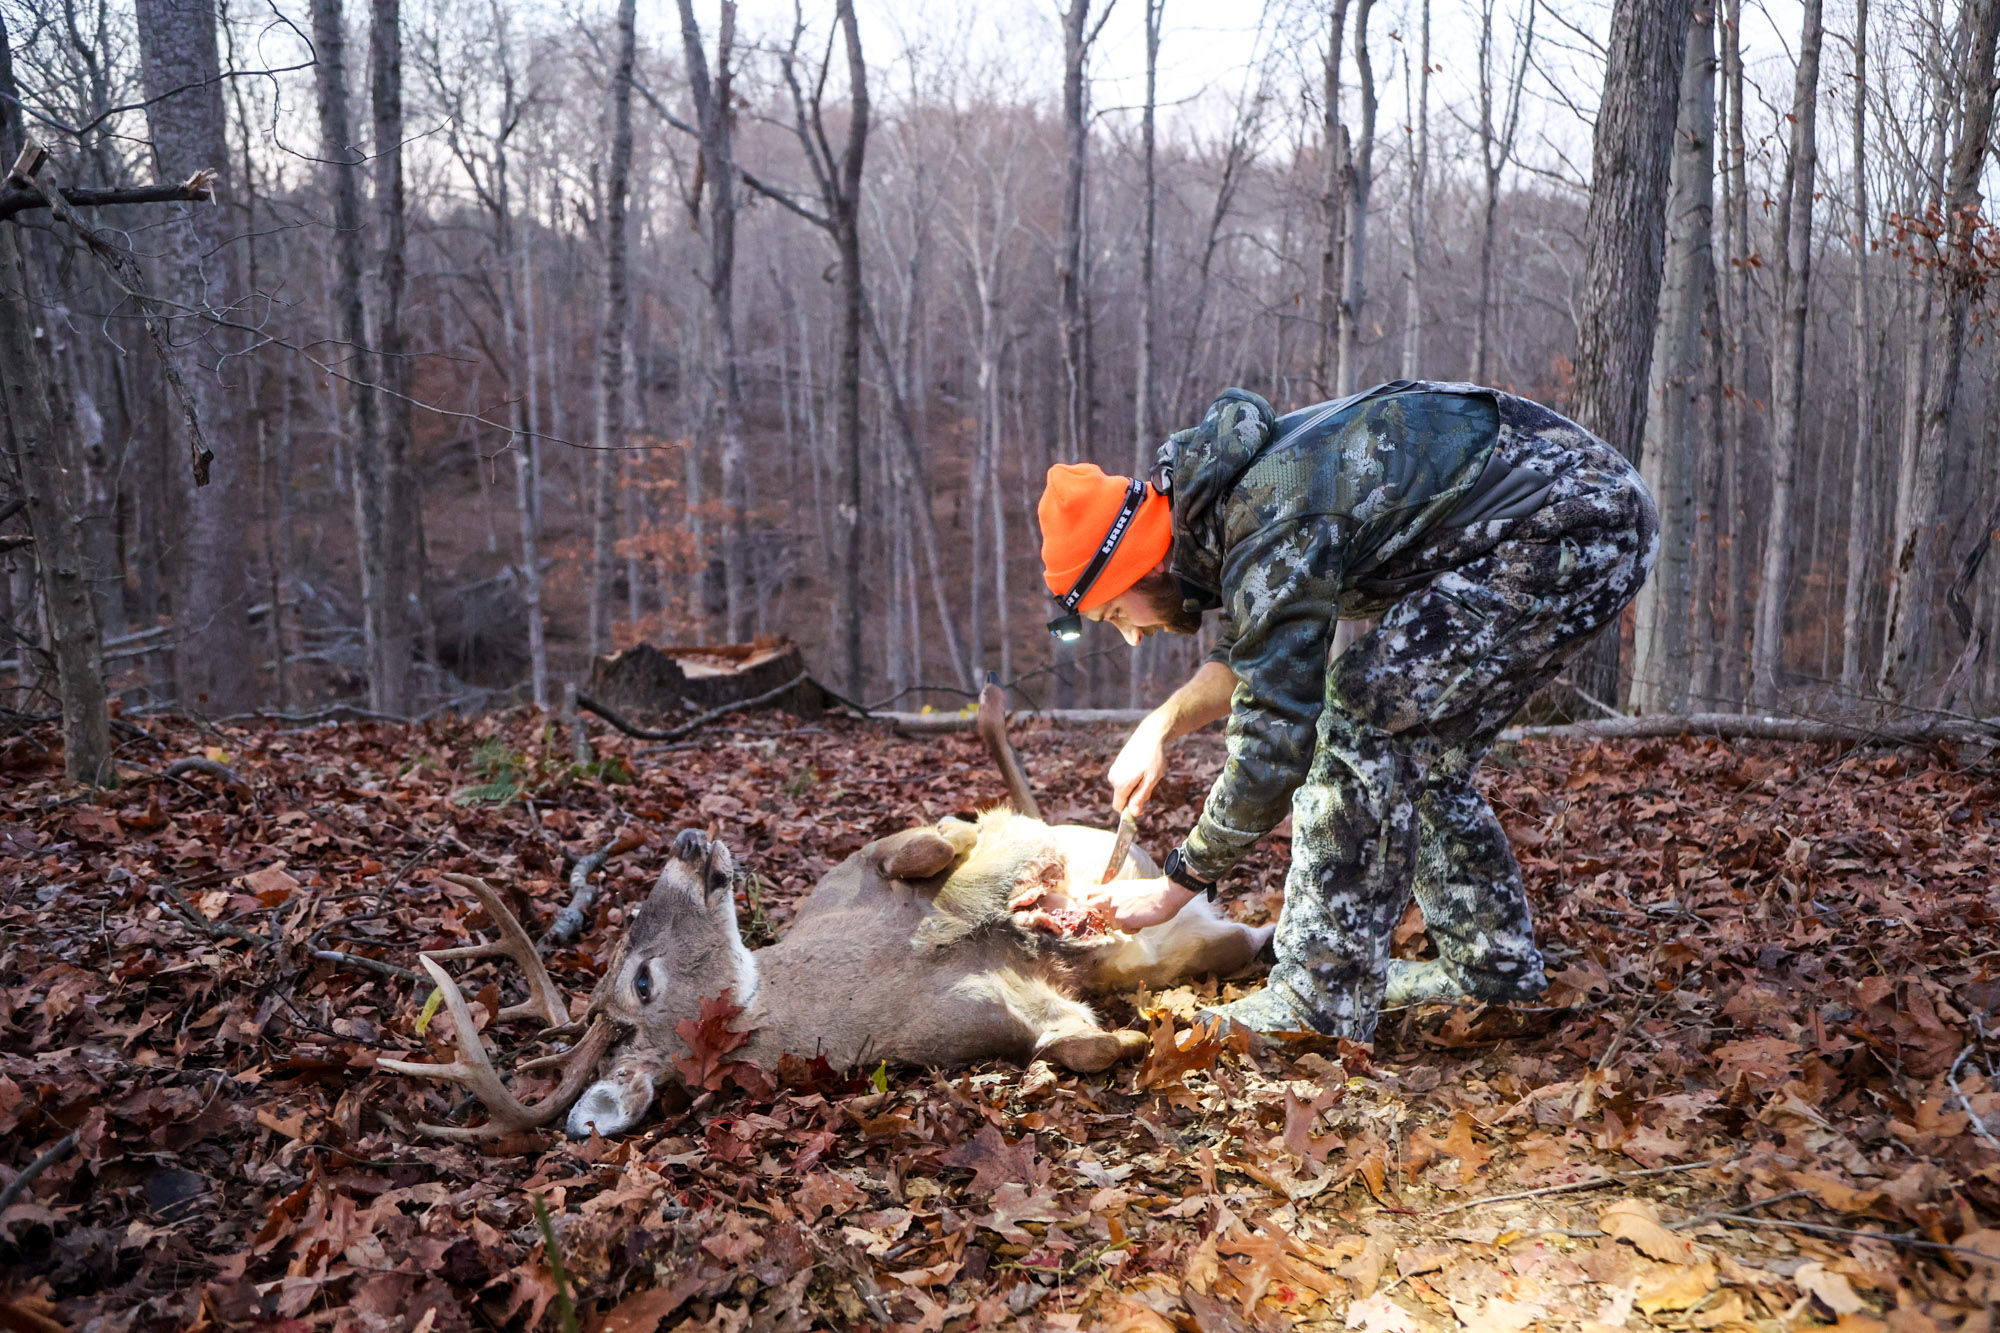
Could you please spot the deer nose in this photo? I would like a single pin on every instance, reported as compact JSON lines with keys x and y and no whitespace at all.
{"x":691,"y":844}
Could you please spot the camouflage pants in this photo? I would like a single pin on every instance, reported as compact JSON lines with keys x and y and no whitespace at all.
{"x":1390,"y":806}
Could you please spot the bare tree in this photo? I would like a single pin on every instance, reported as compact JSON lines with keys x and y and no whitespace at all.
{"x":1496,"y":150}
{"x":1420,"y":171}
{"x":609,"y":422}
{"x":837,"y":180}
{"x":1358,"y":176}
{"x":45,"y":482}
{"x":1955,"y":271}
{"x":1332,"y":200}
{"x":1079,"y":34}
{"x":214,"y":655}
{"x":714,"y":127}
{"x":1861,"y":481}
{"x":1788,"y":363}
{"x":400,"y":554}
{"x":1661,"y":666}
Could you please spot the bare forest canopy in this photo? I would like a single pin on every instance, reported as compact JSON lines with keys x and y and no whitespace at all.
{"x":520,"y":333}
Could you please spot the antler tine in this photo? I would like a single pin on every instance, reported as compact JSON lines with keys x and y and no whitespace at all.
{"x":545,"y":1000}
{"x":992,"y":725}
{"x":473,"y":1068}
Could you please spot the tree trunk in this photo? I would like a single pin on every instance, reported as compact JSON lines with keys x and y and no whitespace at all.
{"x":1144,"y":440}
{"x":1861,"y":487}
{"x":1624,"y":228}
{"x":1788,"y":365}
{"x":49,"y":493}
{"x":1077,"y":37}
{"x":1624,"y":241}
{"x":1420,"y":170}
{"x":341,"y":159}
{"x":1359,"y":179}
{"x":609,"y":433}
{"x":715,"y":121}
{"x":1661,"y":666}
{"x":215,"y":655}
{"x":400,"y":555}
{"x":1733,"y":659}
{"x":1956,"y":274}
{"x":1333,"y":166}
{"x":1496,"y":149}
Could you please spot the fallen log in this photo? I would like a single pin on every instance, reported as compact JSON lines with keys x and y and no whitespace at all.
{"x":1723,"y":726}
{"x":1752,"y":726}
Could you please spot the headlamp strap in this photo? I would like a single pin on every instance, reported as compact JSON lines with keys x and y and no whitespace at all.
{"x":1135,"y":495}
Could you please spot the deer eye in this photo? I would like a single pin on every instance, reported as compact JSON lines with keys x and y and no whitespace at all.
{"x":643,"y":985}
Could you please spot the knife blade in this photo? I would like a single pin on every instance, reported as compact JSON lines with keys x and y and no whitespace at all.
{"x":1128,"y":829}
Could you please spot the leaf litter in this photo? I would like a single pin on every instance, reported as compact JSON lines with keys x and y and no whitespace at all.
{"x":1757,"y":1096}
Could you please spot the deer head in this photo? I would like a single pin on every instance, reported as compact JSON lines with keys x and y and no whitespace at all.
{"x":681,"y":947}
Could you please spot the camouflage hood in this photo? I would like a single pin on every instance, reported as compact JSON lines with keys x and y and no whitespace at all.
{"x":1207,"y":461}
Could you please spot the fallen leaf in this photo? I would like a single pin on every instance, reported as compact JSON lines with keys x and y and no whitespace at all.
{"x":993,"y":1161}
{"x":1635,"y":1220}
{"x":1677,"y":1286}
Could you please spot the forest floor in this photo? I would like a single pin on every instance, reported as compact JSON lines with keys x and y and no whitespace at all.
{"x":1757,"y":1095}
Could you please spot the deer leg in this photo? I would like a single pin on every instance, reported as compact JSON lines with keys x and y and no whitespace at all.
{"x":1063,"y":1029}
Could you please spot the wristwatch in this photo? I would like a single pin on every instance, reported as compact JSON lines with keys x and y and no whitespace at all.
{"x":1176,"y":870}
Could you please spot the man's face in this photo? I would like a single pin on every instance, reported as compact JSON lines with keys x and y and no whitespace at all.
{"x":1147,"y":607}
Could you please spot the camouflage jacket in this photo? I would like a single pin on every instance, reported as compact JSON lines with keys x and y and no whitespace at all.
{"x":1279,"y":520}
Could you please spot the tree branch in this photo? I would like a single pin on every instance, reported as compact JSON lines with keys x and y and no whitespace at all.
{"x":194,"y":189}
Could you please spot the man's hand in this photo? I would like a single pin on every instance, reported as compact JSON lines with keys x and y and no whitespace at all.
{"x":1138,"y":768}
{"x":1123,"y":904}
{"x":1143,"y":762}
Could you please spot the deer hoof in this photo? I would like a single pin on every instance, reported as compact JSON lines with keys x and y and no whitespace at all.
{"x":1089,"y":1052}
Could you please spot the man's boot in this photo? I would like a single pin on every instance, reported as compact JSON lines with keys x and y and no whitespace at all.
{"x":1421,"y":981}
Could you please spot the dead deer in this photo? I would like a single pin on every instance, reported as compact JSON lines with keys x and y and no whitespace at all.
{"x":906,"y":952}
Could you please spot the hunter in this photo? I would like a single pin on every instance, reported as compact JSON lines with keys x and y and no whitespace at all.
{"x":1489,"y":539}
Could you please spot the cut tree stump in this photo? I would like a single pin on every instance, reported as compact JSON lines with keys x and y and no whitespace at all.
{"x":665,"y":685}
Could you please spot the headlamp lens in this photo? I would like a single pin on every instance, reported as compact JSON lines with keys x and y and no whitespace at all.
{"x":1068,"y":628}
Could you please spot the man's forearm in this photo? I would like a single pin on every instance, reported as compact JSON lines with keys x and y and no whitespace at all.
{"x":1202,"y":700}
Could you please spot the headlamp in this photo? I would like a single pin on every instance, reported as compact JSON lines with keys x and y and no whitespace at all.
{"x":1069,"y":625}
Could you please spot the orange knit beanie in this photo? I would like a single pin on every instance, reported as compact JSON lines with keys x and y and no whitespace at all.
{"x":1078,"y":508}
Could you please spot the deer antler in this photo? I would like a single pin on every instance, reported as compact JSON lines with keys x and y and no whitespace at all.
{"x":993,"y":730}
{"x":544,"y":1000}
{"x":506,"y":1113}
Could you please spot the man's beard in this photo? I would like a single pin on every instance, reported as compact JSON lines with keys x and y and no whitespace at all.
{"x":1162,"y":595}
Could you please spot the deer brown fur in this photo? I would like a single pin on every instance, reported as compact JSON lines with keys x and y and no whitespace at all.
{"x":905,"y":952}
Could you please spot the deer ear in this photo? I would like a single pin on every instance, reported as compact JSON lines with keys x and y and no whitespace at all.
{"x":718,"y":870}
{"x":916,"y":854}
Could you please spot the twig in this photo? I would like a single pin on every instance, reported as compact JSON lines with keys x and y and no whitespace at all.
{"x":340,"y":959}
{"x":1597,"y":1182}
{"x":570,"y":921}
{"x":1893,"y":1237}
{"x":591,"y":705}
{"x":49,"y":1157}
{"x":1978,"y":1125}
{"x":1744,"y":1211}
{"x":221,"y":772}
{"x":212,"y":928}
